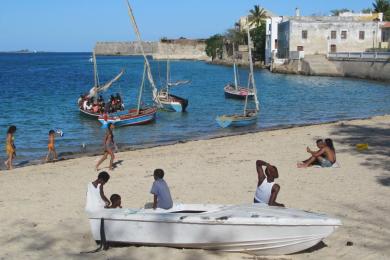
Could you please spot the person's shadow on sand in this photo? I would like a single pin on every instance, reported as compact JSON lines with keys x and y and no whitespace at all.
{"x":116,"y":164}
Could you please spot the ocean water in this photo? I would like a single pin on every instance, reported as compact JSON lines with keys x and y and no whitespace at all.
{"x":39,"y":93}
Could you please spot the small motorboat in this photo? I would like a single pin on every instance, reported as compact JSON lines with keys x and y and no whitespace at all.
{"x":256,"y":229}
{"x":172,"y":103}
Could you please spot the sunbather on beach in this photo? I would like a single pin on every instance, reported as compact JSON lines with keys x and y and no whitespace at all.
{"x":115,"y":201}
{"x":267,"y":190}
{"x":160,"y":190}
{"x":95,"y":195}
{"x":325,"y":156}
{"x":51,"y":148}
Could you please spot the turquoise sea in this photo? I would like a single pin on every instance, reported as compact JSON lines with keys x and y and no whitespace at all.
{"x":39,"y":92}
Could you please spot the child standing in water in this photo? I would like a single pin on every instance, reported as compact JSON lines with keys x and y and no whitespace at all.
{"x":50,"y":146}
{"x":10,"y":147}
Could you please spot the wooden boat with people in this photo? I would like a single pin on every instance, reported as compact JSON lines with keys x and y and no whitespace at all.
{"x":250,"y":114}
{"x":93,"y":93}
{"x":256,"y":229}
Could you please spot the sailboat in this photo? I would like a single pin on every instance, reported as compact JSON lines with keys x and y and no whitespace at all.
{"x":249,"y":116}
{"x":235,"y":90}
{"x":168,"y":101}
{"x":141,"y":114}
{"x":95,"y":90}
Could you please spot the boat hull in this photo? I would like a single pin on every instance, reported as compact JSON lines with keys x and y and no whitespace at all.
{"x":89,"y":114}
{"x":174,"y":103}
{"x":240,"y":93}
{"x":212,"y":234}
{"x":236,"y":120}
{"x":146,"y":115}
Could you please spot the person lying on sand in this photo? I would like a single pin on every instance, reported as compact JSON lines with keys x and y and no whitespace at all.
{"x":267,"y":191}
{"x":115,"y":202}
{"x":325,"y":156}
{"x":95,"y":195}
{"x":160,"y":190}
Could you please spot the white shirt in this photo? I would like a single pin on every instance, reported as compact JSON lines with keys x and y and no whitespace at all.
{"x":85,"y":104}
{"x":263,"y":191}
{"x":94,"y":200}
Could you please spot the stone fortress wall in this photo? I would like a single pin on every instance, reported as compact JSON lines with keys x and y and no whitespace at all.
{"x":181,"y":49}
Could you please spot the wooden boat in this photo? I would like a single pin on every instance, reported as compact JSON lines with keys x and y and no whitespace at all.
{"x":168,"y":101}
{"x":235,"y":90}
{"x":132,"y":117}
{"x":250,"y":115}
{"x":96,"y":89}
{"x":256,"y":229}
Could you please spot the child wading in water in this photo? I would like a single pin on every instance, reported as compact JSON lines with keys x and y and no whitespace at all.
{"x":51,"y":148}
{"x":10,"y":147}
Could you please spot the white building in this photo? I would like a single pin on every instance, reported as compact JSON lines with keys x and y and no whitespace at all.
{"x":323,"y":34}
{"x":271,"y":38}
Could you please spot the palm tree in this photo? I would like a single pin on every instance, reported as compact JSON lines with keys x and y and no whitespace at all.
{"x":257,"y":16}
{"x":381,"y":6}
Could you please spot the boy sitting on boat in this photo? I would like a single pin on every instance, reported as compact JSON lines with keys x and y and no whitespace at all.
{"x":267,"y":190}
{"x":160,"y":190}
{"x":96,"y":199}
{"x":115,"y":202}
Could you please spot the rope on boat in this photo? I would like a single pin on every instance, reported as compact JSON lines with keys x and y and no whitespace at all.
{"x":103,"y":242}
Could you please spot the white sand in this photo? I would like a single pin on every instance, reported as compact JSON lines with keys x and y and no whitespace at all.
{"x":42,"y":207}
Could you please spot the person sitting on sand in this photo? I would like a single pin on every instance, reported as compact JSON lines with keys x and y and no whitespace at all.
{"x":160,"y":190}
{"x":95,"y":195}
{"x":10,"y":147}
{"x":115,"y":202}
{"x":51,"y":148}
{"x":267,"y":191}
{"x":325,"y":156}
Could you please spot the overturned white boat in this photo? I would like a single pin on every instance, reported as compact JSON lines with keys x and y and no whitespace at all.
{"x":255,"y":229}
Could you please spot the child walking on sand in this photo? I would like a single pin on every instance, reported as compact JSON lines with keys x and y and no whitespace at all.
{"x":10,"y":147}
{"x":109,"y":146}
{"x":51,"y":148}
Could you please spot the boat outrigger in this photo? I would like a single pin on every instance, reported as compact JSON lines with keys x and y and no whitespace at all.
{"x":256,"y":229}
{"x":250,"y":115}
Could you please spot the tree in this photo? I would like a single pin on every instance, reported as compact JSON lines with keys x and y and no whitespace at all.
{"x":382,"y":6}
{"x":337,"y":12}
{"x":214,"y":46}
{"x":236,"y":36}
{"x":258,"y":38}
{"x":257,"y":16}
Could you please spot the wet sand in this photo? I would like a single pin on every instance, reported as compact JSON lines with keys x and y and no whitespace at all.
{"x":42,"y":206}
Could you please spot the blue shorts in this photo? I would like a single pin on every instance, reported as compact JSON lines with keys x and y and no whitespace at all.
{"x":325,"y":163}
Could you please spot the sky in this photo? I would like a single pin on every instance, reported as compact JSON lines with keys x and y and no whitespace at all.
{"x":76,"y":25}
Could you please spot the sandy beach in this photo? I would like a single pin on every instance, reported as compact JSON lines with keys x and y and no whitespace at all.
{"x":42,"y":206}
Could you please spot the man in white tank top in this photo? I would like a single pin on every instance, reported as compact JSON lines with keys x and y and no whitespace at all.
{"x":267,"y":190}
{"x":96,"y":199}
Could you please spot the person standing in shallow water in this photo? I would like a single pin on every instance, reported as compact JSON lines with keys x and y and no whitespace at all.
{"x":109,"y":146}
{"x":10,"y":147}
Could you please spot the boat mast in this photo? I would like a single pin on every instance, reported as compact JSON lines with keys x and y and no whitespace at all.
{"x":235,"y":69}
{"x":251,"y":75}
{"x":141,"y":89}
{"x":168,"y":74}
{"x":139,"y":40}
{"x":95,"y":72}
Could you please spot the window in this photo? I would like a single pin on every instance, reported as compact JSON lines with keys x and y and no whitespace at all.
{"x":343,"y":35}
{"x":333,"y":48}
{"x":304,"y":34}
{"x":299,"y":48}
{"x":361,"y":35}
{"x":276,"y":43}
{"x":269,"y":27}
{"x":333,"y":34}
